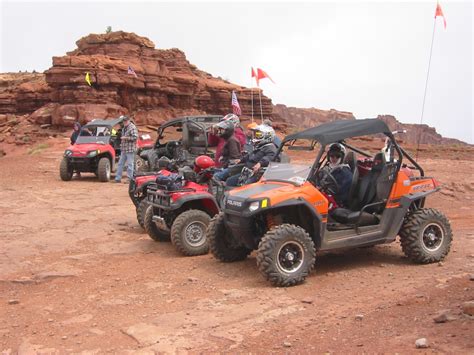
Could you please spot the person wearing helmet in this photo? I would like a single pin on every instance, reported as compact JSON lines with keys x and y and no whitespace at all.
{"x":263,"y":153}
{"x":340,"y":171}
{"x":218,"y":142}
{"x":231,"y":151}
{"x":276,"y":140}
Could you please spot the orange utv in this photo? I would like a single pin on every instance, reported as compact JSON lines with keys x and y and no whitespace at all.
{"x":292,"y":212}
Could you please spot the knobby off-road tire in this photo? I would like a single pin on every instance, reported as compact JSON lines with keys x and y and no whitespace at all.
{"x":286,"y":255}
{"x":65,"y":170}
{"x":141,"y":209}
{"x":221,"y":242}
{"x":188,"y":233}
{"x":103,"y":169}
{"x":153,"y":231}
{"x":140,"y":164}
{"x":426,"y":236}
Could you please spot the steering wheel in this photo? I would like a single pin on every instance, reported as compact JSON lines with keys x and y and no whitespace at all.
{"x":328,"y":183}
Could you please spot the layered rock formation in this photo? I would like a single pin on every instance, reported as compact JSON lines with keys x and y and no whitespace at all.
{"x":165,"y":85}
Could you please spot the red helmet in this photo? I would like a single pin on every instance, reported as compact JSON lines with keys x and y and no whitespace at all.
{"x":203,"y":162}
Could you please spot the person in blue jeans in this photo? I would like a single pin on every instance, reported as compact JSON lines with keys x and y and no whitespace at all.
{"x":128,"y":147}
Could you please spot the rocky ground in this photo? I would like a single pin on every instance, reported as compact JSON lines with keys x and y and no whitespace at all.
{"x":79,"y":275}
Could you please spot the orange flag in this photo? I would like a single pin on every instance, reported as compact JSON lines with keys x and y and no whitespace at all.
{"x":439,"y":12}
{"x":262,"y":75}
{"x":253,"y":73}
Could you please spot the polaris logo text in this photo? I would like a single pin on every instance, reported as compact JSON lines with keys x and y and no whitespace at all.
{"x":234,"y":203}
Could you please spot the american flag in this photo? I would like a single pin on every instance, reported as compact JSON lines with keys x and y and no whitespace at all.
{"x":131,"y":71}
{"x":235,"y":105}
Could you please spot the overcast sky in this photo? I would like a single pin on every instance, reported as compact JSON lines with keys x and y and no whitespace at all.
{"x":368,"y":58}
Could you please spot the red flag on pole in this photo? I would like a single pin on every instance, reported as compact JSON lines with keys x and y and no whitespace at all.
{"x":235,"y":105}
{"x":439,"y":12}
{"x":253,"y":73}
{"x":262,"y":75}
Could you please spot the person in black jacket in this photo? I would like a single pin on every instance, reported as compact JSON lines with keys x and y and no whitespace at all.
{"x":231,"y":151}
{"x":75,"y":132}
{"x":341,"y":173}
{"x":263,"y":153}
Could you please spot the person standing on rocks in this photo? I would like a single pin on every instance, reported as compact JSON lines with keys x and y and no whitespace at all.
{"x":128,"y":147}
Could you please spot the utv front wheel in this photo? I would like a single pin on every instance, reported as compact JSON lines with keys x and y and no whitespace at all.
{"x":286,"y":255}
{"x":65,"y":170}
{"x":103,"y":169}
{"x":221,"y":242}
{"x":426,"y":236}
{"x":188,"y":232}
{"x":155,"y":233}
{"x":141,"y":210}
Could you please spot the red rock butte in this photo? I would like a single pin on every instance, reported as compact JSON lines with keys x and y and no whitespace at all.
{"x":166,"y":85}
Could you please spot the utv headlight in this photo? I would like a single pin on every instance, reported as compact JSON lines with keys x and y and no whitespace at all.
{"x":93,"y":153}
{"x":68,"y":153}
{"x":258,"y":204}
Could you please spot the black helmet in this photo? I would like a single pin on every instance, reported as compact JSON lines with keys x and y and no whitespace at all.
{"x":337,"y":149}
{"x":225,"y":129}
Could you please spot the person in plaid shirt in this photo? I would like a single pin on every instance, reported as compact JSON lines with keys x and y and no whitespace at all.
{"x":128,"y":146}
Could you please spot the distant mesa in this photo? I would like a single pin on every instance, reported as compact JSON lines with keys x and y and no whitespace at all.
{"x":164,"y":85}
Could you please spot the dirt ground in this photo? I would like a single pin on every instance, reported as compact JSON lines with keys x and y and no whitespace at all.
{"x":77,"y":274}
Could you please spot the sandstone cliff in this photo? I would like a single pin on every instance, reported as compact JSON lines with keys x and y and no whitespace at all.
{"x":165,"y":85}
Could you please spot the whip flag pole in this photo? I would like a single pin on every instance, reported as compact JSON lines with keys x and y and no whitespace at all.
{"x":438,"y":12}
{"x":261,"y":75}
{"x":251,"y":88}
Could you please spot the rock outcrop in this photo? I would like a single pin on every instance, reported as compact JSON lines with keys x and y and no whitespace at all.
{"x":164,"y":85}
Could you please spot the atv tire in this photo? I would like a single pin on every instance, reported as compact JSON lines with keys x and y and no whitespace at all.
{"x":141,"y":165}
{"x":141,"y":210}
{"x":65,"y":170}
{"x":188,"y":233}
{"x":286,"y":255}
{"x":103,"y":169}
{"x":426,"y":236}
{"x":221,"y":242}
{"x":155,"y":233}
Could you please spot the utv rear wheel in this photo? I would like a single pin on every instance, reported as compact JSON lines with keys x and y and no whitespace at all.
{"x":141,"y":210}
{"x":188,"y":232}
{"x":221,"y":242}
{"x":65,"y":170}
{"x":152,"y":229}
{"x":103,"y":169}
{"x":286,"y":255}
{"x":426,"y":236}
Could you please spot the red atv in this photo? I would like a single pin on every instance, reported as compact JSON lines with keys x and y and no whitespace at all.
{"x":181,"y":206}
{"x":97,"y":150}
{"x":137,"y":189}
{"x":170,"y":153}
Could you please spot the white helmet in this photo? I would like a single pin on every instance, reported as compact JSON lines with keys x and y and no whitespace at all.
{"x":262,"y":134}
{"x":232,"y":118}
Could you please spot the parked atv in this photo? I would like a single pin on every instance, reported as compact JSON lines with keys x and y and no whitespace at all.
{"x":182,"y":138}
{"x":137,"y":188}
{"x":291,"y":213}
{"x":96,"y":150}
{"x":181,"y":206}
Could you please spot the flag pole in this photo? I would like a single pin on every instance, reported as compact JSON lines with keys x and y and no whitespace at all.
{"x":424,"y":96}
{"x":251,"y":96}
{"x":261,"y":110}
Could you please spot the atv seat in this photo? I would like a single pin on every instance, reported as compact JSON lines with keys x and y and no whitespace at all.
{"x":351,"y":160}
{"x":367,"y":201}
